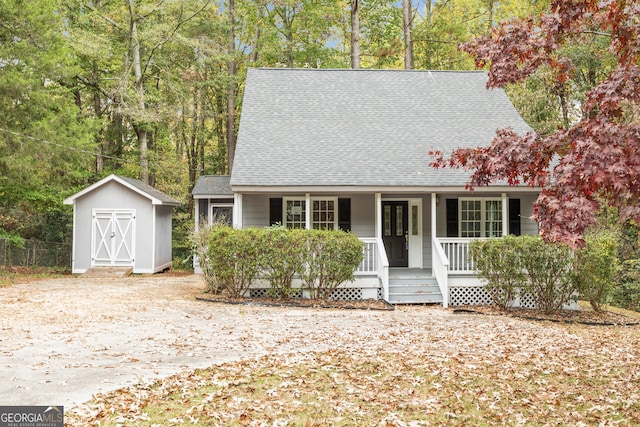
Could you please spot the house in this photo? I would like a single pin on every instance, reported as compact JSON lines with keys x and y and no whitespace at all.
{"x":121,"y":222}
{"x":349,"y":149}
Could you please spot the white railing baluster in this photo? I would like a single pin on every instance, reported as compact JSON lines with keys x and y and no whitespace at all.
{"x":457,"y":252}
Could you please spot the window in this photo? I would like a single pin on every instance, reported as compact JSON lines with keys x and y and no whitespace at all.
{"x":221,"y":213}
{"x":480,"y":218}
{"x":295,"y":213}
{"x":324,"y":213}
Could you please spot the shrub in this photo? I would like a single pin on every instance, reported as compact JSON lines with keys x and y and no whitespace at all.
{"x":549,"y":269}
{"x":627,"y":292}
{"x":331,"y":258}
{"x":498,"y":261}
{"x":526,"y":264}
{"x":234,"y":259}
{"x":597,"y":266}
{"x":200,"y":244}
{"x":283,"y":258}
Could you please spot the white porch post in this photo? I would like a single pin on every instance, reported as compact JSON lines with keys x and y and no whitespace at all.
{"x":307,"y":211}
{"x":237,"y":210}
{"x":196,"y":211}
{"x":434,"y":204}
{"x":505,"y":214}
{"x":378,"y":198}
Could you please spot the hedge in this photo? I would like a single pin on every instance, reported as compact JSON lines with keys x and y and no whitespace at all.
{"x":235,"y":258}
{"x":516,"y":266}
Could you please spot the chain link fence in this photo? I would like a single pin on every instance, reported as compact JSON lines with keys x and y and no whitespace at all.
{"x":35,"y":253}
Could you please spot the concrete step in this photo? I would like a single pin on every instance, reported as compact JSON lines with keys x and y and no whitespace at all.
{"x":108,"y":272}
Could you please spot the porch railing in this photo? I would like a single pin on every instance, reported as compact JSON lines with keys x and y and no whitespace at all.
{"x":440,"y":270}
{"x":458,"y":253}
{"x":375,"y":262}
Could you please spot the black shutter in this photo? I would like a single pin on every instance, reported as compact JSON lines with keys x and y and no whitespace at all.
{"x":514,"y":217}
{"x":344,"y":214}
{"x":275,"y":211}
{"x":452,"y":217}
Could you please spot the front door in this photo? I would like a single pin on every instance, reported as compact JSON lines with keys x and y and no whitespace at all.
{"x":395,"y":232}
{"x":113,"y":237}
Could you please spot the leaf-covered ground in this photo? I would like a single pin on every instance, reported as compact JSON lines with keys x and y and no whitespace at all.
{"x":489,"y":374}
{"x":136,"y":345}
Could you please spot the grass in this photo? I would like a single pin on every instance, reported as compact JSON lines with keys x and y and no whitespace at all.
{"x":585,"y":305}
{"x":10,"y":275}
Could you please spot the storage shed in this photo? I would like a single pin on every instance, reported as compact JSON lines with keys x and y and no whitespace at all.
{"x":121,"y":222}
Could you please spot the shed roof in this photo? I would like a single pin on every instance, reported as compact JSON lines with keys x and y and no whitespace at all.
{"x":156,"y":197}
{"x":213,"y":185}
{"x":308,"y":127}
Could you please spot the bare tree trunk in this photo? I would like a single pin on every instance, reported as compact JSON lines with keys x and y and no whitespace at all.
{"x":256,"y":46}
{"x":407,"y":22}
{"x":231,"y":89}
{"x":140,"y":129}
{"x":355,"y":34}
{"x":490,"y":4}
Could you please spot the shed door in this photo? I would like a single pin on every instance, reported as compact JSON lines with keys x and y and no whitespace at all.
{"x":113,"y":237}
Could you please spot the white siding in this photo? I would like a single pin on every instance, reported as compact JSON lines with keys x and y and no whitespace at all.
{"x":255,"y":210}
{"x":163,"y":255}
{"x":363,"y":214}
{"x":528,"y":226}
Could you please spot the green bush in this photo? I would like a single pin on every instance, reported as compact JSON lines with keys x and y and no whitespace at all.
{"x":200,"y":244}
{"x":233,"y":259}
{"x":549,"y":269}
{"x":283,"y":257}
{"x":526,"y":265}
{"x":626,"y":294}
{"x":498,"y":261}
{"x":597,"y":266}
{"x":331,"y":259}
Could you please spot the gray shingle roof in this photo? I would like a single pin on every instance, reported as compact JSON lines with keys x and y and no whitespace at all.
{"x":151,"y":191}
{"x":217,"y":185}
{"x":363,"y":127}
{"x":157,"y":197}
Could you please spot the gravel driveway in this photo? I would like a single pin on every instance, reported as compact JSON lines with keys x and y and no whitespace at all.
{"x":63,"y":340}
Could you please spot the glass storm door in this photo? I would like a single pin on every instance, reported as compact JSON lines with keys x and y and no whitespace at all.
{"x":395,"y":232}
{"x":112,"y":238}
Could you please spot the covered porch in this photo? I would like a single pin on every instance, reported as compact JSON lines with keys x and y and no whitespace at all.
{"x":449,"y":277}
{"x":452,"y":281}
{"x":416,"y":244}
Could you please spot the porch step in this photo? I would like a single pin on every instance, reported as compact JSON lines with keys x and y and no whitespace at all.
{"x":414,"y":290}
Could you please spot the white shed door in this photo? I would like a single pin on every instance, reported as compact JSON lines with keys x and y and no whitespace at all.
{"x":113,"y":238}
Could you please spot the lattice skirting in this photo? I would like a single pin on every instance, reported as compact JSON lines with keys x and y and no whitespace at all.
{"x":264,"y":292}
{"x":340,"y":294}
{"x":469,"y":295}
{"x":478,"y":295}
{"x":346,"y":294}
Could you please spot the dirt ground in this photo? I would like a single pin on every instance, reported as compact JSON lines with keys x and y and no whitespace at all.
{"x":64,"y":340}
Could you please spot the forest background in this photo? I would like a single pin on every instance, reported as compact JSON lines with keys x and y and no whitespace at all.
{"x":153,"y":89}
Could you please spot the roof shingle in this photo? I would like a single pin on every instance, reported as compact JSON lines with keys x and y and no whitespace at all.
{"x":306,"y":127}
